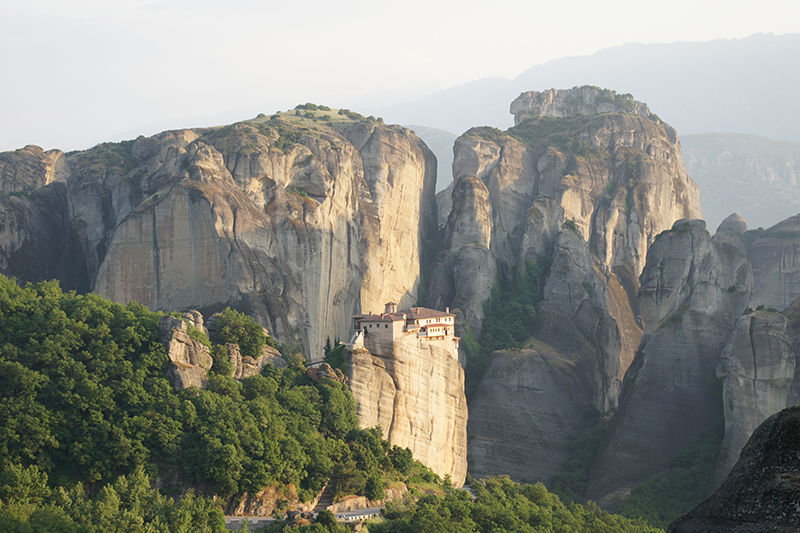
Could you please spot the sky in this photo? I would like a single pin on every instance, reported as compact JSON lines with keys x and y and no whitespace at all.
{"x":78,"y":72}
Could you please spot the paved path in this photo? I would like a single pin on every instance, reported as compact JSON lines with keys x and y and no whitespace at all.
{"x":234,"y":523}
{"x":359,"y":514}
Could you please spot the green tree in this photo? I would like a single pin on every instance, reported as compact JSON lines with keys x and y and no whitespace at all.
{"x":238,"y":328}
{"x":347,"y":479}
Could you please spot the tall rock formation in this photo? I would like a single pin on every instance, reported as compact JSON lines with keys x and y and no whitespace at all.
{"x":526,"y":407}
{"x":189,"y":359}
{"x":775,"y":256}
{"x":693,"y":290}
{"x":758,"y":371}
{"x":301,"y":219}
{"x":582,"y":184}
{"x":29,"y":168}
{"x":411,"y":384}
{"x":705,"y":351}
{"x":761,"y":493}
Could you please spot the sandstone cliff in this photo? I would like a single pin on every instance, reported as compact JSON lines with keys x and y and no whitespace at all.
{"x":301,"y":219}
{"x":586,"y":100}
{"x":762,"y":491}
{"x":190,"y":360}
{"x":707,"y":360}
{"x":693,"y":290}
{"x":526,"y":403}
{"x":30,"y":168}
{"x":775,"y":256}
{"x":190,"y":356}
{"x":414,"y":390}
{"x":758,"y":370}
{"x":581,"y":185}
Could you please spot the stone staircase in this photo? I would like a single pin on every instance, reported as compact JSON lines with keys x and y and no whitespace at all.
{"x":325,"y":499}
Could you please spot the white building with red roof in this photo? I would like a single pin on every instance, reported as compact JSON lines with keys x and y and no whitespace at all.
{"x":376,"y":331}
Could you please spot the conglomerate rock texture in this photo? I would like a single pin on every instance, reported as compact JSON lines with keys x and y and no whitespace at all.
{"x":762,"y":492}
{"x":300,"y":221}
{"x":413,"y":388}
{"x":581,"y":185}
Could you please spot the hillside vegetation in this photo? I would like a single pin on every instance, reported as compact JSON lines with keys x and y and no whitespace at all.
{"x":90,"y":425}
{"x":502,"y":505}
{"x":84,"y":399}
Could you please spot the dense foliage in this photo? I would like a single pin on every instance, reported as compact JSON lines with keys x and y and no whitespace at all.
{"x":29,"y":505}
{"x":492,"y":505}
{"x":502,"y":505}
{"x":337,"y":357}
{"x":509,"y":315}
{"x":84,"y":397}
{"x":237,"y":328}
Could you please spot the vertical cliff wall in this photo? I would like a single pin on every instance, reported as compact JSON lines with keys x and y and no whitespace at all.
{"x":413,"y":389}
{"x":300,"y":219}
{"x":758,"y":370}
{"x":775,"y":256}
{"x":581,"y":185}
{"x":693,"y":290}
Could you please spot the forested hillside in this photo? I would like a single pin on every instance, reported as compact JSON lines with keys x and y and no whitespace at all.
{"x":84,"y":399}
{"x":93,"y":437}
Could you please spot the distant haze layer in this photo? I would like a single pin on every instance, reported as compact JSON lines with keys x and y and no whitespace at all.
{"x":738,"y":85}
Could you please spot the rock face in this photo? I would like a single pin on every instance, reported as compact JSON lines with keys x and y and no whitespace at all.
{"x":701,"y":354}
{"x":775,"y":256}
{"x":586,"y":100}
{"x":758,"y":370}
{"x":300,"y":219}
{"x":245,"y":366}
{"x":190,"y":359}
{"x":525,"y":404}
{"x":289,"y":218}
{"x":326,"y":371}
{"x":762,"y":491}
{"x":414,"y":390}
{"x":693,"y":290}
{"x":30,"y":168}
{"x":581,"y":185}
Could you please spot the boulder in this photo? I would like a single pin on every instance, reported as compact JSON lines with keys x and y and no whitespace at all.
{"x":761,"y":493}
{"x":190,"y":360}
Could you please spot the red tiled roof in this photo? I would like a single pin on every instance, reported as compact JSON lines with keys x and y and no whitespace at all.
{"x":390,"y":317}
{"x":424,"y":312}
{"x":415,"y":313}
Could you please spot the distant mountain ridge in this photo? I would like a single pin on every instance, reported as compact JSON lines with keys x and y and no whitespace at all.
{"x":755,"y":176}
{"x":732,"y":85}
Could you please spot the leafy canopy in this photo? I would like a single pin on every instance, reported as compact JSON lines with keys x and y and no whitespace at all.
{"x":84,"y":397}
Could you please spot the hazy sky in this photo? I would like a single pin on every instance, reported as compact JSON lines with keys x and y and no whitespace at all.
{"x":76,"y":72}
